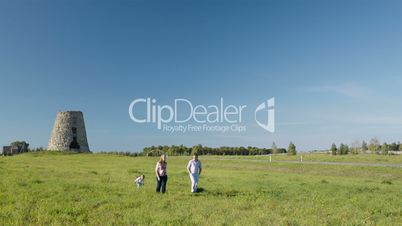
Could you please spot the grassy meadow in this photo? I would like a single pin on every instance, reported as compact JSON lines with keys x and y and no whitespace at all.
{"x":97,"y":189}
{"x":325,"y":157}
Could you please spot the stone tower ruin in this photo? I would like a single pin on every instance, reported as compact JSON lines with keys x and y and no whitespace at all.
{"x":69,"y":133}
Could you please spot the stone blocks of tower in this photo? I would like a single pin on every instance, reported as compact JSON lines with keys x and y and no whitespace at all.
{"x":69,"y":133}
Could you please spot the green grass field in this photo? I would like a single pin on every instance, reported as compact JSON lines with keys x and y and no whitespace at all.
{"x":98,"y":189}
{"x":324,"y":157}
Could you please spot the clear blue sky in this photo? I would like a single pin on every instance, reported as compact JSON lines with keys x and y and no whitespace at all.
{"x":334,"y":67}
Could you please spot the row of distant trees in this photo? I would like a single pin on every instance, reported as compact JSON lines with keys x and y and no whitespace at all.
{"x":204,"y":150}
{"x":121,"y":153}
{"x":373,"y":147}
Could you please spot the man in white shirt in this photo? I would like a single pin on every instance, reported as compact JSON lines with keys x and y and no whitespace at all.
{"x":194,"y":169}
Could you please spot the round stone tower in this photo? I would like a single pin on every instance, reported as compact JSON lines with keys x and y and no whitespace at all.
{"x":69,"y":133}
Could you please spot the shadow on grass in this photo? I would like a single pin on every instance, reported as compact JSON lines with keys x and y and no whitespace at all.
{"x":221,"y":193}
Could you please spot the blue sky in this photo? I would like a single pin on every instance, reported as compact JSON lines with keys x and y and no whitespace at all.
{"x":334,"y":68}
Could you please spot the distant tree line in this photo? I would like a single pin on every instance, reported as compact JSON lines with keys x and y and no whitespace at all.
{"x":224,"y":150}
{"x":373,"y":147}
{"x":121,"y":153}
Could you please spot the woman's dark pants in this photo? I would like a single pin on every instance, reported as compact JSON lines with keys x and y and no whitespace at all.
{"x":161,"y":184}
